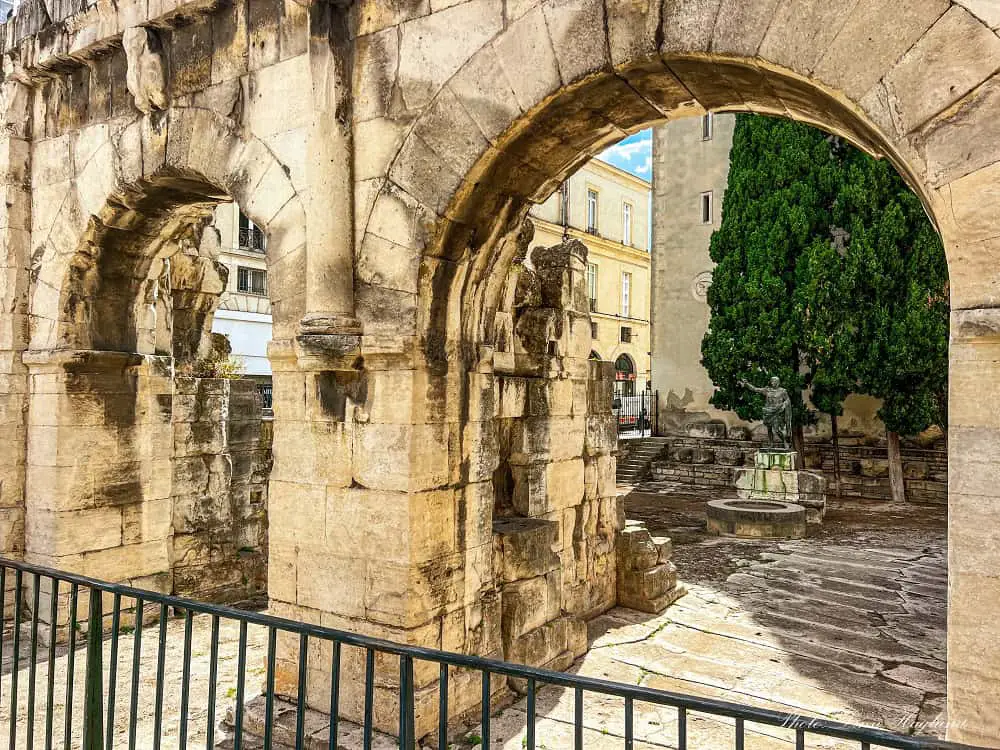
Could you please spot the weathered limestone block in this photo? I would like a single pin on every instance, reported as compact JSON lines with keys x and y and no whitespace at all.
{"x":146,"y":76}
{"x":710,"y":429}
{"x":646,"y":578}
{"x":524,"y":548}
{"x":528,"y":604}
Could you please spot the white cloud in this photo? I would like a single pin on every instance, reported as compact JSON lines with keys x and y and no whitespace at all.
{"x":625,"y":151}
{"x":646,"y":165}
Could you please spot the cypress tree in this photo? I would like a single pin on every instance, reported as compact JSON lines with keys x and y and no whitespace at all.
{"x":829,"y":275}
{"x":898,"y":314}
{"x":778,"y":200}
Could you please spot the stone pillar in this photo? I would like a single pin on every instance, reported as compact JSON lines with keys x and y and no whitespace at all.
{"x":362,"y":511}
{"x":98,"y":489}
{"x":330,"y":192}
{"x":221,"y":460}
{"x":974,"y":527}
{"x":15,"y":244}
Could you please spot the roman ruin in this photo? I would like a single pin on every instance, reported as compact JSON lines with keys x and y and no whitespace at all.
{"x":443,"y":458}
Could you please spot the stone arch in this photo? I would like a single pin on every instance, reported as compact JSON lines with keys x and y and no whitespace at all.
{"x":143,"y":193}
{"x":559,"y":81}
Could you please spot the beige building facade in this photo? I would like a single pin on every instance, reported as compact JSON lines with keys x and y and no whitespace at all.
{"x":690,"y":172}
{"x":607,"y":209}
{"x":244,"y":313}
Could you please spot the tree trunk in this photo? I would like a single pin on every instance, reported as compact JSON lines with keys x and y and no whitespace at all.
{"x":836,"y":457}
{"x":896,"y":483}
{"x":799,"y":441}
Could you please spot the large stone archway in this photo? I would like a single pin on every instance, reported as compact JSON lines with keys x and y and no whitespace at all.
{"x":397,"y":148}
{"x":560,"y":81}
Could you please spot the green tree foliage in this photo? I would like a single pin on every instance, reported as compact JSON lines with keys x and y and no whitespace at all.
{"x":782,"y":177}
{"x":899,"y":280}
{"x":829,"y":275}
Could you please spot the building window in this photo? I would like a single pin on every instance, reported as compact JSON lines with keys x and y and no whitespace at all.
{"x":251,"y":237}
{"x":592,"y":211}
{"x":592,"y":285}
{"x":706,"y":207}
{"x":706,"y":126}
{"x":626,"y":223}
{"x":626,"y":293}
{"x":626,"y":334}
{"x":624,"y":376}
{"x":564,"y":204}
{"x":593,"y":330}
{"x":251,"y":281}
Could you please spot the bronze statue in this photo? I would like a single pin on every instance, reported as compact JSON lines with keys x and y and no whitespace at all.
{"x":777,"y":412}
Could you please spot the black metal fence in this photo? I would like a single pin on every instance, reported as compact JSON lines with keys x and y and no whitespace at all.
{"x":266,"y":391}
{"x":40,"y":601}
{"x":637,"y":414}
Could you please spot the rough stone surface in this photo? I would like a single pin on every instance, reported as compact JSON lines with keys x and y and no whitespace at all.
{"x":113,"y":160}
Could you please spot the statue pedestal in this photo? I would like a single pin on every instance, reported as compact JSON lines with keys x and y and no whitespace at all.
{"x":777,"y":475}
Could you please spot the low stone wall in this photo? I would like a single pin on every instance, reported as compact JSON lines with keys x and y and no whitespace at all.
{"x":864,"y":470}
{"x":222,"y":458}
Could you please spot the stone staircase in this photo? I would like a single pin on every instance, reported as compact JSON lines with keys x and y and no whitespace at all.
{"x":635,"y":457}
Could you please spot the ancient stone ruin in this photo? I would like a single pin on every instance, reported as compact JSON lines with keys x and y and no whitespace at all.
{"x":390,"y":152}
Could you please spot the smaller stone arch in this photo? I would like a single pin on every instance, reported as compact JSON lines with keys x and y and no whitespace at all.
{"x":101,"y":257}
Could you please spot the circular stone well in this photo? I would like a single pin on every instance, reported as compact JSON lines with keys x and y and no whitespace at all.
{"x":756,"y":519}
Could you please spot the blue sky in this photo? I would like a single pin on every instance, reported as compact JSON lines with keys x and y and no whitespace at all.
{"x":634,"y":154}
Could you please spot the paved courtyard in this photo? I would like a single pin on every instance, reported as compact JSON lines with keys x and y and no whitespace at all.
{"x":848,"y":624}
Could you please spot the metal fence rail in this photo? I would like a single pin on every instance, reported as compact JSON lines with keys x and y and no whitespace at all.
{"x":93,"y":727}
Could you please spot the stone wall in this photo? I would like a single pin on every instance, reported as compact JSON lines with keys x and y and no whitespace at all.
{"x":864,"y":473}
{"x":222,"y":458}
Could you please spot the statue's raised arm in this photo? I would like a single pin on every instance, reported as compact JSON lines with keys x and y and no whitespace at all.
{"x":751,"y":386}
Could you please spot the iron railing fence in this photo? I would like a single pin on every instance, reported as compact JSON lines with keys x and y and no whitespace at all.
{"x":266,"y":391}
{"x":636,"y":413}
{"x":91,"y":723}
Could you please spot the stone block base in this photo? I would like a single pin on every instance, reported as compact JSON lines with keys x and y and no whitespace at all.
{"x":768,"y":479}
{"x":647,"y":579}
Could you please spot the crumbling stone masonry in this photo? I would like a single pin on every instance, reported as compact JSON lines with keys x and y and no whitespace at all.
{"x":390,"y":152}
{"x":221,"y":461}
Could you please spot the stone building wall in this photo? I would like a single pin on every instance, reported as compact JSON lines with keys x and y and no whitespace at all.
{"x":222,"y":458}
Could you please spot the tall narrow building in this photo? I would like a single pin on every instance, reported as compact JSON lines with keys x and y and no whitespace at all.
{"x":690,"y":169}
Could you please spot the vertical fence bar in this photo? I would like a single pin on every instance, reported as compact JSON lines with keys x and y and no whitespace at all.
{"x":185,"y":679}
{"x":406,"y":727}
{"x":93,"y":710}
{"x":532,"y":710}
{"x":3,"y":615}
{"x":213,"y":675}
{"x":50,"y":692}
{"x":33,"y":664}
{"x":300,"y":708}
{"x":15,"y":669}
{"x":369,"y":697}
{"x":740,"y":734}
{"x":272,"y":647}
{"x":578,"y":718}
{"x":443,"y":705}
{"x":682,"y":729}
{"x":800,"y":739}
{"x":241,"y":678}
{"x":486,"y":708}
{"x":74,"y":592}
{"x":334,"y":694}
{"x":629,"y":730}
{"x":161,"y":662}
{"x":136,"y":657}
{"x":116,"y":621}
